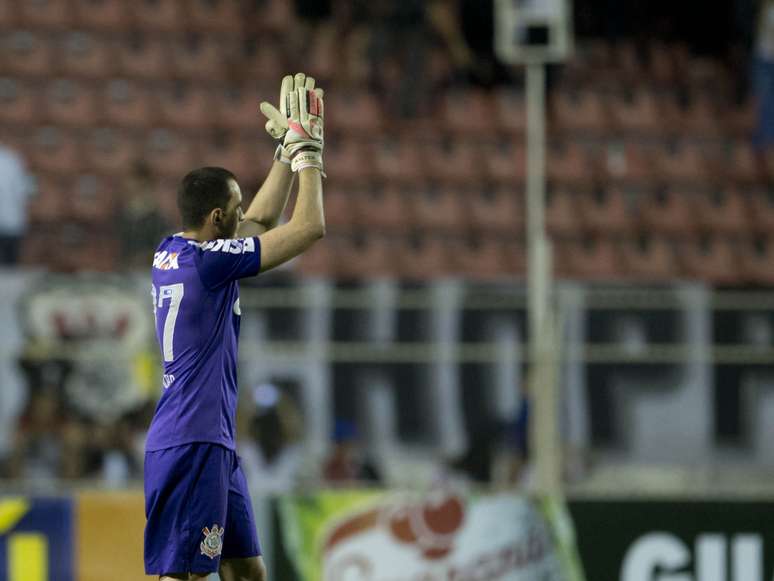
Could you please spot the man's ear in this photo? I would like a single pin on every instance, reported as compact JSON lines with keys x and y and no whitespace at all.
{"x":216,"y":216}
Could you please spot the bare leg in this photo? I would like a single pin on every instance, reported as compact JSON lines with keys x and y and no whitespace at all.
{"x":250,"y":569}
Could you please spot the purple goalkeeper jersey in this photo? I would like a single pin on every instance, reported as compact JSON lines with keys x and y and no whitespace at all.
{"x":196,"y":307}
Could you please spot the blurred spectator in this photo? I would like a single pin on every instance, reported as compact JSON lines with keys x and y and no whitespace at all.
{"x":141,"y":223}
{"x":347,"y":463}
{"x":271,"y":457}
{"x":16,"y":186}
{"x":764,"y":75}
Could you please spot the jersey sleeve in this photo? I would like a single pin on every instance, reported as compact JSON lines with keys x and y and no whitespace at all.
{"x":224,"y":260}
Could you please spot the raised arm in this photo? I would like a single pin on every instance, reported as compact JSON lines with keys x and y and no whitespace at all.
{"x":269,"y":202}
{"x":306,"y":226}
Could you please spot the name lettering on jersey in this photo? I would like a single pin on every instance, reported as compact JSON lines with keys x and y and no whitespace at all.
{"x":165,"y":260}
{"x":167,"y":380}
{"x":231,"y":246}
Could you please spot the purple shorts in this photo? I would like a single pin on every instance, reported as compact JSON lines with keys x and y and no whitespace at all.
{"x":198,"y":510}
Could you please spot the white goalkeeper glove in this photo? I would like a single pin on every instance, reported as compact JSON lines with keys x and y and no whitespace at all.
{"x":277,"y":120}
{"x":304,"y":139}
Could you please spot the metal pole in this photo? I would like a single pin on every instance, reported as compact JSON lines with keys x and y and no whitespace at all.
{"x":545,"y":446}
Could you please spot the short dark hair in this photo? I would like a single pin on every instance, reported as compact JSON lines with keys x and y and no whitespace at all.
{"x":201,"y":191}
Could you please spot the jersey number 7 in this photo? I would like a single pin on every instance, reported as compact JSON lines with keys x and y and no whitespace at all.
{"x":173,"y":292}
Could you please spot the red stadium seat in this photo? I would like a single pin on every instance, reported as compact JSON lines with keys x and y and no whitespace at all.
{"x":437,"y":210}
{"x":742,"y":164}
{"x":757,"y":260}
{"x":478,"y":257}
{"x":92,"y":199}
{"x":740,"y":120}
{"x":468,"y":113}
{"x":157,"y":15}
{"x":701,"y":118}
{"x":169,"y":154}
{"x":127,"y":103}
{"x":26,"y":53}
{"x":712,"y":259}
{"x":605,"y":211}
{"x":263,"y":61}
{"x":629,"y":164}
{"x":584,"y":112}
{"x":199,"y":57}
{"x":55,"y":151}
{"x":110,"y":152}
{"x":87,"y":55}
{"x":69,"y":102}
{"x":667,"y":212}
{"x":686,"y":164}
{"x":357,"y":112}
{"x":723,"y":212}
{"x":8,"y":15}
{"x":514,"y":257}
{"x":273,"y":16}
{"x":562,"y":215}
{"x":186,"y":107}
{"x":341,"y":208}
{"x":637,"y":113}
{"x":505,"y":164}
{"x":588,"y":258}
{"x":100,"y":14}
{"x":454,"y":164}
{"x":19,"y":102}
{"x":144,"y":57}
{"x":398,"y":162}
{"x":500,"y":210}
{"x":236,"y":107}
{"x":232,"y":153}
{"x":51,"y":14}
{"x":50,"y":199}
{"x":319,"y":260}
{"x":570,"y":165}
{"x":348,"y":162}
{"x":364,"y":256}
{"x":423,"y":257}
{"x":510,"y":111}
{"x":761,"y":204}
{"x":648,"y":258}
{"x":378,"y":208}
{"x":663,"y":64}
{"x":219,"y":16}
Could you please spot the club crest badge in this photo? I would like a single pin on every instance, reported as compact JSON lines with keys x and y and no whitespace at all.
{"x":212,"y":544}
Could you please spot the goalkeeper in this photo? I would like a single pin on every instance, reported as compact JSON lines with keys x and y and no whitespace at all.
{"x":199,"y":515}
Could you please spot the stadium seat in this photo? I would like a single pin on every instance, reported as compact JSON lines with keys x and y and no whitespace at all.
{"x":685,"y":164}
{"x":157,"y":15}
{"x":360,"y":109}
{"x":477,"y":257}
{"x":455,"y":164}
{"x":477,"y":120}
{"x":562,"y":213}
{"x":364,"y":255}
{"x":740,"y":120}
{"x":422,"y":257}
{"x":761,"y":203}
{"x":70,"y":102}
{"x":100,"y":14}
{"x":583,"y":112}
{"x":85,"y":54}
{"x":341,"y":207}
{"x":143,"y":57}
{"x":723,"y":212}
{"x":236,"y":107}
{"x":637,"y":112}
{"x":199,"y":57}
{"x":92,"y":199}
{"x":50,"y":14}
{"x":589,"y":258}
{"x":185,"y":106}
{"x":514,"y":257}
{"x":627,"y":62}
{"x":505,"y":164}
{"x":272,"y":16}
{"x":216,"y":16}
{"x":498,"y":210}
{"x":262,"y":60}
{"x":605,"y":211}
{"x":348,"y":162}
{"x":741,"y":165}
{"x":50,"y":198}
{"x":701,"y":118}
{"x":628,"y":164}
{"x":110,"y":152}
{"x":8,"y":15}
{"x":381,"y":208}
{"x":231,"y":152}
{"x":648,"y":258}
{"x":510,"y":111}
{"x":712,"y":259}
{"x":54,"y":150}
{"x":127,"y":103}
{"x":19,"y":102}
{"x":26,"y":53}
{"x":169,"y":154}
{"x":569,"y":164}
{"x":757,"y":260}
{"x":663,"y":67}
{"x":319,"y":260}
{"x":667,"y":211}
{"x":436,"y":209}
{"x":398,"y":162}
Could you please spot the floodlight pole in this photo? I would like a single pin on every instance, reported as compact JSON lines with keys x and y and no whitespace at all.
{"x":544,"y":431}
